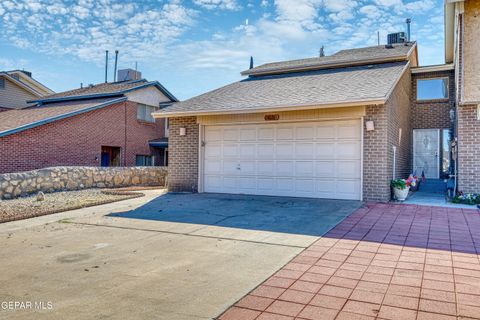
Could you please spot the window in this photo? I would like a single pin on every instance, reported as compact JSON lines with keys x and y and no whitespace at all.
{"x":144,"y":161}
{"x":432,"y":89}
{"x":2,"y":83}
{"x":144,"y":112}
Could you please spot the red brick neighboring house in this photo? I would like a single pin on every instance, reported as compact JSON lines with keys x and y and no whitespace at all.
{"x":108,"y":124}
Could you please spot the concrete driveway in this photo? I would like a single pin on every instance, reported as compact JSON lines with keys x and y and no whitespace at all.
{"x":182,"y":264}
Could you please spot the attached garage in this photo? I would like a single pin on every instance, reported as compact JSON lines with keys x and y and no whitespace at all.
{"x":319,"y":159}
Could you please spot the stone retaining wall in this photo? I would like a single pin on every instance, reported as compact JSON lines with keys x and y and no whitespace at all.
{"x":17,"y":184}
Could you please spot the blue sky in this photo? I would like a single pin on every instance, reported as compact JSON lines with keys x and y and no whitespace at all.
{"x":195,"y":46}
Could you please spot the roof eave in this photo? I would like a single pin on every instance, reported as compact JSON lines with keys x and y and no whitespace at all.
{"x":109,"y":94}
{"x":21,"y":84}
{"x":59,"y":117}
{"x":353,"y":103}
{"x":328,"y":66}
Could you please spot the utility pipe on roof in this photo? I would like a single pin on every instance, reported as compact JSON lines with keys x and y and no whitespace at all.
{"x":106,"y":66}
{"x":115,"y":68}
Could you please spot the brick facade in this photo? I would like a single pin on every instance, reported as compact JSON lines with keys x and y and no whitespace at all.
{"x":183,"y":152}
{"x":377,"y":144}
{"x":468,"y":149}
{"x":432,"y":114}
{"x":77,"y":141}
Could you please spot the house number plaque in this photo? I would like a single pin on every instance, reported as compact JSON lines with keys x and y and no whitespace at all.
{"x":271,"y":117}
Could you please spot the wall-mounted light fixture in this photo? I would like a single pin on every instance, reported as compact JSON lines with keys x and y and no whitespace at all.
{"x":370,"y":125}
{"x":183,"y":131}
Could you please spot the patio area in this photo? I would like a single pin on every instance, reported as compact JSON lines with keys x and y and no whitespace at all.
{"x":385,"y":261}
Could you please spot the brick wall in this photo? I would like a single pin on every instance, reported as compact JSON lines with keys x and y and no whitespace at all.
{"x":375,"y":184}
{"x":468,"y":149}
{"x":183,"y":152}
{"x":77,"y":141}
{"x":432,"y":114}
{"x":377,"y":144}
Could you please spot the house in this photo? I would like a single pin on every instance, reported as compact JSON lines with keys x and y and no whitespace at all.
{"x":462,"y":25}
{"x":340,"y":126}
{"x":108,"y":124}
{"x":17,"y":87}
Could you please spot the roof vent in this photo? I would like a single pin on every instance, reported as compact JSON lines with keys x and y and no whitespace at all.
{"x":91,"y":85}
{"x":398,"y":37}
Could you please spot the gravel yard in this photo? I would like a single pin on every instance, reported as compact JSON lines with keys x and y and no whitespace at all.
{"x":28,"y":207}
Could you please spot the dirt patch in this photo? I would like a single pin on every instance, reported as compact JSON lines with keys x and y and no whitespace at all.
{"x":28,"y":207}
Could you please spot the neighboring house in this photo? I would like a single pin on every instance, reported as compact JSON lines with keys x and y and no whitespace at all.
{"x":17,"y":87}
{"x":108,"y":124}
{"x":339,"y":126}
{"x":462,"y":25}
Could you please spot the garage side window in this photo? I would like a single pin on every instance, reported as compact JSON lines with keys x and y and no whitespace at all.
{"x":432,"y":89}
{"x":144,"y":113}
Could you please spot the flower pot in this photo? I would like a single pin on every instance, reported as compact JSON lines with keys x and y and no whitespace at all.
{"x":401,"y":194}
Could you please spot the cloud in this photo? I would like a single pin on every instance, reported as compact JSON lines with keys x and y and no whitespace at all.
{"x":217,"y":4}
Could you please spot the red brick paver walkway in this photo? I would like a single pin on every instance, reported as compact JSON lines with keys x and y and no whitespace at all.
{"x":384,"y":261}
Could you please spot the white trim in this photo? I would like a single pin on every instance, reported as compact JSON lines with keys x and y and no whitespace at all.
{"x":362,"y":134}
{"x":201,"y":158}
{"x":434,"y":68}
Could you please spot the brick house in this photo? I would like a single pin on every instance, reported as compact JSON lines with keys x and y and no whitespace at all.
{"x":108,"y":124}
{"x":339,"y":126}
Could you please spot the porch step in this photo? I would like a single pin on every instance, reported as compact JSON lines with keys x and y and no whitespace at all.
{"x":433,"y":186}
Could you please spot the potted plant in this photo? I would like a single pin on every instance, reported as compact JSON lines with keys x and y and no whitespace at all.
{"x":400,"y":189}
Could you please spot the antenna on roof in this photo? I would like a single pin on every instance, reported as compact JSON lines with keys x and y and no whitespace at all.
{"x":408,"y":21}
{"x":106,"y":66}
{"x":251,"y":62}
{"x":321,"y":53}
{"x":115,"y":68}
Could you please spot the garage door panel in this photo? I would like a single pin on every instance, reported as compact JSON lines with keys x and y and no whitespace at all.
{"x":266,"y":151}
{"x":214,"y":150}
{"x":265,"y":184}
{"x":285,"y":185}
{"x":266,"y":168}
{"x":230,"y":134}
{"x":304,"y":150}
{"x":266,"y":133}
{"x":284,"y":169}
{"x":284,"y":151}
{"x":230,"y":150}
{"x":325,"y":169}
{"x":348,"y":169}
{"x":247,"y":151}
{"x":304,"y":168}
{"x":305,"y":132}
{"x":348,"y":150}
{"x":314,"y":159}
{"x":285,"y":133}
{"x":325,"y":150}
{"x":325,"y":132}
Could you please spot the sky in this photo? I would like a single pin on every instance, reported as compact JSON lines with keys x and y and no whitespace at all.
{"x":195,"y":46}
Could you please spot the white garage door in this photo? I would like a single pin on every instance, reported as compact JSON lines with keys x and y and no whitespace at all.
{"x":304,"y":159}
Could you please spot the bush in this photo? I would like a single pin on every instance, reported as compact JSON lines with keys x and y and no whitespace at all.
{"x":467,"y":198}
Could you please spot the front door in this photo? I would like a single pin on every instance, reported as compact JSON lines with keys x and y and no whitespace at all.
{"x":426,"y":144}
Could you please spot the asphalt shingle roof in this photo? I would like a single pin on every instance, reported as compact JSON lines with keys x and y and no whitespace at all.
{"x":329,"y":86}
{"x":344,"y":57}
{"x":13,"y":119}
{"x":110,"y":87}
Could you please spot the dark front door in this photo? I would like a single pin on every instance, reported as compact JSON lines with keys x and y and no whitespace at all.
{"x":110,"y":156}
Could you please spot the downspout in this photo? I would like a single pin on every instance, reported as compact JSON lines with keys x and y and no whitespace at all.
{"x":125,"y":142}
{"x":394,"y":148}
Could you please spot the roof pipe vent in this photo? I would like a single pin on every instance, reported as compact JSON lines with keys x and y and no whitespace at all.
{"x":251,"y":62}
{"x":106,"y":66}
{"x":115,"y":68}
{"x":408,"y":21}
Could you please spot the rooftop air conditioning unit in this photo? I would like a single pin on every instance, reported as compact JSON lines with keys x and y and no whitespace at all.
{"x":398,"y":37}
